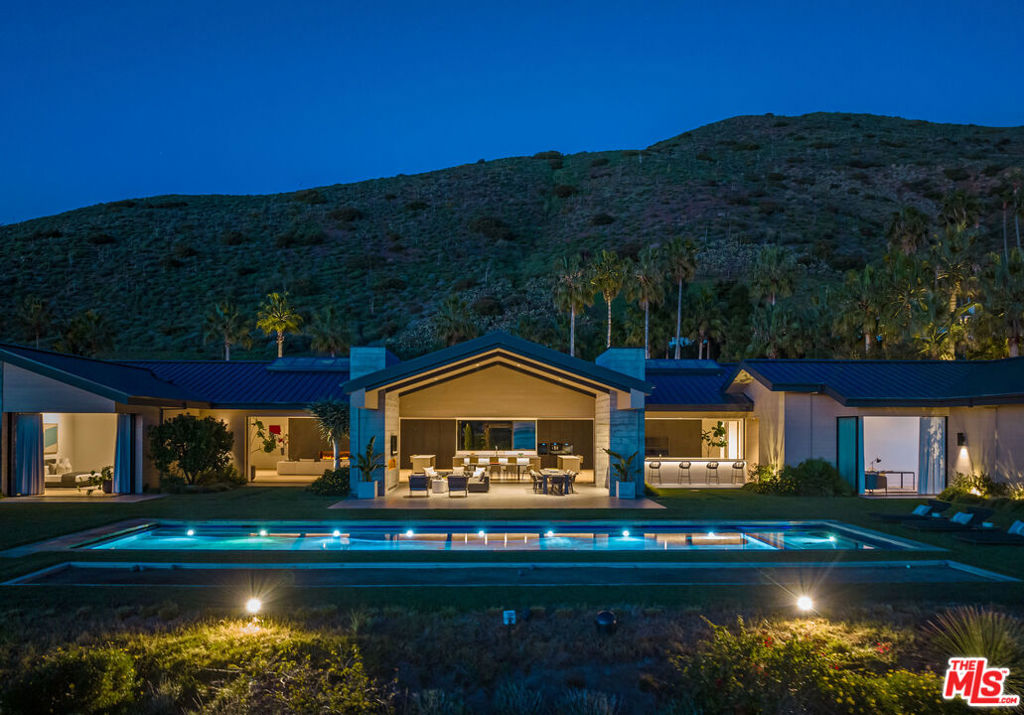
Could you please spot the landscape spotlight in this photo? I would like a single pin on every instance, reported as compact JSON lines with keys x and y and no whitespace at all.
{"x":804,"y":603}
{"x":190,"y":532}
{"x":253,"y":605}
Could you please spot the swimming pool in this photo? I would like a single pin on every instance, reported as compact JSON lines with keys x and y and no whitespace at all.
{"x":500,"y":536}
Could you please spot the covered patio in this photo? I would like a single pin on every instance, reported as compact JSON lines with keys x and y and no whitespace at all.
{"x":500,"y":496}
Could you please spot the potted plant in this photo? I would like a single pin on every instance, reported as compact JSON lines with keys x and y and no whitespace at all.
{"x":714,"y":438}
{"x":367,"y":463}
{"x":622,"y":467}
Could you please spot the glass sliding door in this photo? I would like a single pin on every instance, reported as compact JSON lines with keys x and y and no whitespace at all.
{"x":849,"y":451}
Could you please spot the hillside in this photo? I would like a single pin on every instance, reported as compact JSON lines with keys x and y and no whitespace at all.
{"x":386,"y":251}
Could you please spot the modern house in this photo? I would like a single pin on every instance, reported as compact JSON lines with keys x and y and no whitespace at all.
{"x":513,"y":405}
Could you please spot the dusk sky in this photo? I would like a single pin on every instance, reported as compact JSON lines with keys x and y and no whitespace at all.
{"x":104,"y":101}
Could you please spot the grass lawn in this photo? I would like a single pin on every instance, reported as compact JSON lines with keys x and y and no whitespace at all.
{"x":26,"y":523}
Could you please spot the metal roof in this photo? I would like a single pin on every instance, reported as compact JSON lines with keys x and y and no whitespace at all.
{"x":121,"y":382}
{"x":696,"y":385}
{"x":246,"y":384}
{"x":897,"y":382}
{"x":502,"y":342}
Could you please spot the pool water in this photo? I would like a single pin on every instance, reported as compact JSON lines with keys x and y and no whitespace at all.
{"x":667,"y":536}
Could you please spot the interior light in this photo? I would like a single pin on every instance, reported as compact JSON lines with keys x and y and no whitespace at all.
{"x":804,"y":603}
{"x":253,"y":605}
{"x":190,"y":532}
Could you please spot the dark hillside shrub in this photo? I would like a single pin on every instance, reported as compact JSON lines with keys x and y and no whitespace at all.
{"x":309,"y":196}
{"x":602,"y":219}
{"x":492,"y":227}
{"x":564,"y":191}
{"x":101,"y":239}
{"x":347,"y":214}
{"x":78,"y":680}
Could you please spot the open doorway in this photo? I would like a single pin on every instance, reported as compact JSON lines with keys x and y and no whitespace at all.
{"x":892,"y":455}
{"x":78,"y":453}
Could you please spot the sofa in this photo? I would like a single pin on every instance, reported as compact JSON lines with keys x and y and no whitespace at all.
{"x":303,"y":467}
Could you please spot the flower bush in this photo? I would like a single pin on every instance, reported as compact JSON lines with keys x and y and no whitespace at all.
{"x":332,"y":483}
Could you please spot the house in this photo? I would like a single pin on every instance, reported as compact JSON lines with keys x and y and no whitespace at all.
{"x":512,"y":405}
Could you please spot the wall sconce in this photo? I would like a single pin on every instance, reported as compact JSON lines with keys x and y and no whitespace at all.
{"x":961,"y":439}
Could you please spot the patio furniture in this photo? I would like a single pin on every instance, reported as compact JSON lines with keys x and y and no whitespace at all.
{"x":439,"y":485}
{"x":421,"y":461}
{"x":458,"y":471}
{"x":538,"y":482}
{"x":522,"y":464}
{"x":961,"y":521}
{"x":479,"y":485}
{"x":1014,"y":536}
{"x":430,"y":471}
{"x":711,"y":473}
{"x":503,"y":465}
{"x":684,"y":471}
{"x":739,"y":472}
{"x":873,"y":481}
{"x":419,"y":483}
{"x":655,"y":470}
{"x":922,"y":511}
{"x":570,"y":482}
{"x":889,"y":473}
{"x":458,"y":484}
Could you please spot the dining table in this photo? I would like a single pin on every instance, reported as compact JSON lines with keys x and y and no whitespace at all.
{"x":551,"y":477}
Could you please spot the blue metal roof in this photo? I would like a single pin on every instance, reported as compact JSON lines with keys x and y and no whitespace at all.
{"x":121,"y":382}
{"x":245,"y":384}
{"x":498,"y":341}
{"x":695,"y":385}
{"x":897,"y":382}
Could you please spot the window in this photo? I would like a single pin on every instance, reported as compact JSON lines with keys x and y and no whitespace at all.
{"x":497,"y":435}
{"x":693,"y":438}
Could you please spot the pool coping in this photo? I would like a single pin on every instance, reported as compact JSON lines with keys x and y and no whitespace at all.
{"x":26,"y":579}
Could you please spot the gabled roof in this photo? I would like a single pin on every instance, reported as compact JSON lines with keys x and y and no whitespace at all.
{"x":288,"y":383}
{"x":504,"y":343}
{"x":896,"y":383}
{"x":692,"y":385}
{"x":121,"y":382}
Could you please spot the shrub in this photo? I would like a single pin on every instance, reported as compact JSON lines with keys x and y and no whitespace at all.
{"x":188,"y":446}
{"x":102,"y":239}
{"x":956,"y":173}
{"x":79,"y":680}
{"x":810,"y":478}
{"x":980,"y":632}
{"x":599,"y":161}
{"x":973,"y":485}
{"x":492,"y":227}
{"x":416,"y":205}
{"x":602,"y":219}
{"x":309,"y":196}
{"x":564,"y":191}
{"x":346,"y":214}
{"x":332,"y":483}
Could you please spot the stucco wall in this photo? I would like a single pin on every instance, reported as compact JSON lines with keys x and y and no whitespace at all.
{"x":995,"y":441}
{"x":25,"y":391}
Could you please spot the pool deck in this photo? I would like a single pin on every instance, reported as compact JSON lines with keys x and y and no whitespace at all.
{"x":500,"y":496}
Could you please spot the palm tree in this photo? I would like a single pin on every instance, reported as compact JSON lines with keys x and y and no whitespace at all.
{"x":774,"y":270}
{"x":34,"y":316}
{"x":332,"y":418}
{"x":327,"y":332}
{"x":224,"y":322}
{"x":908,"y":230}
{"x":681,"y":257}
{"x":704,"y":318}
{"x":453,"y":321}
{"x":572,"y":294}
{"x":606,"y":278}
{"x":860,"y":306}
{"x":1003,"y":292}
{"x":771,"y":328}
{"x":959,"y":208}
{"x":647,"y":287}
{"x":88,"y":333}
{"x":277,"y":317}
{"x":938,"y":329}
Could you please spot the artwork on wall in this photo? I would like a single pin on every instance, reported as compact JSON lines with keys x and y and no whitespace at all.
{"x":49,"y":439}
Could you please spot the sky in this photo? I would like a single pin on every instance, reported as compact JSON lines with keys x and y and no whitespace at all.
{"x":101,"y":101}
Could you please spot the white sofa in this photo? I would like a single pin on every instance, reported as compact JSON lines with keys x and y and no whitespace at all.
{"x":303,"y":467}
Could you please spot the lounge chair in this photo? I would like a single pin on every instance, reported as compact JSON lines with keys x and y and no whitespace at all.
{"x":458,"y":484}
{"x":1014,"y":536}
{"x":961,"y":521}
{"x":419,"y":483}
{"x":920,"y":512}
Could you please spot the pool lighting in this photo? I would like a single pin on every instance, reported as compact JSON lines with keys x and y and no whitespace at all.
{"x":263,"y":532}
{"x":336,"y":533}
{"x":625,"y":533}
{"x":832,"y":538}
{"x":804,"y":603}
{"x":253,"y":605}
{"x":549,"y":534}
{"x":711,"y":534}
{"x":190,"y":532}
{"x":408,"y":532}
{"x":481,"y":533}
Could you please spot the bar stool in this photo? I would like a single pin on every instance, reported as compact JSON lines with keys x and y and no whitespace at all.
{"x":655,"y":470}
{"x":711,"y":471}
{"x":738,"y":469}
{"x":684,"y":471}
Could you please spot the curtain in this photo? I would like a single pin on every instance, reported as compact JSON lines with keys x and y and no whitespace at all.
{"x":123,"y":455}
{"x":28,"y":454}
{"x":932,"y":456}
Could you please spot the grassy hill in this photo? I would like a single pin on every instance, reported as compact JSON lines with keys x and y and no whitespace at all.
{"x":386,"y":251}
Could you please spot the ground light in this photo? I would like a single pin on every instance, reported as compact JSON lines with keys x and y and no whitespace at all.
{"x":804,"y":603}
{"x":253,"y":605}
